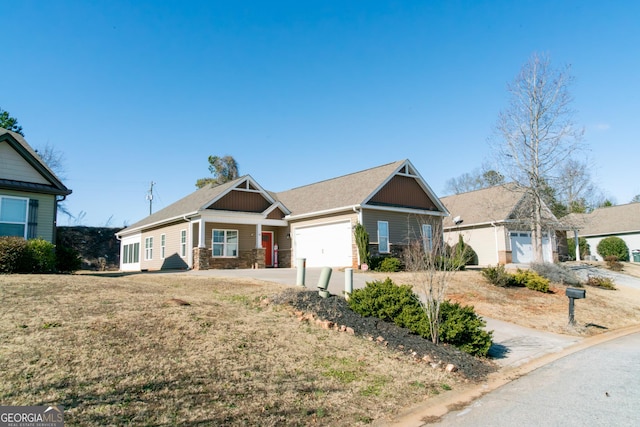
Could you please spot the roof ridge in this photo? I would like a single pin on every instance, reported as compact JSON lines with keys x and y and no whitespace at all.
{"x":341,"y":176}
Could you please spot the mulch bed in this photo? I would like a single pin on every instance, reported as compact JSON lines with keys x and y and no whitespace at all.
{"x":336,"y":309}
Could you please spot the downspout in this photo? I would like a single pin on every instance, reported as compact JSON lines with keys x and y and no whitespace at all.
{"x":495,"y":233}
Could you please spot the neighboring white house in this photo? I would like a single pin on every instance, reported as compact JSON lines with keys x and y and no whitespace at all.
{"x":621,"y":221}
{"x":495,"y":222}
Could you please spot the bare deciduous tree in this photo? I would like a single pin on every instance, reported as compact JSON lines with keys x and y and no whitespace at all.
{"x":476,"y":180}
{"x":431,"y":273}
{"x":536,"y":134}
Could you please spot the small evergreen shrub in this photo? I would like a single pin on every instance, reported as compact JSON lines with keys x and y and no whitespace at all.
{"x":531,"y":280}
{"x":362,"y":242}
{"x":585,"y":250}
{"x":613,"y":263}
{"x":389,"y":265}
{"x":613,"y":246}
{"x":13,"y":252}
{"x":459,"y":326}
{"x":556,"y":273}
{"x":462,"y":327}
{"x":68,"y":260}
{"x":463,"y":254}
{"x":40,"y":257}
{"x":601,"y":282}
{"x":498,"y":276}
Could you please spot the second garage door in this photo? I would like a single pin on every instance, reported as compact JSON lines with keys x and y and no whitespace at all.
{"x":522,"y":248}
{"x":326,"y":245}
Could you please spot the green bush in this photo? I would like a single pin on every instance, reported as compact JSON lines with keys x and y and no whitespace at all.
{"x":498,"y":276}
{"x":462,"y":327}
{"x":463,"y":254}
{"x":13,"y":251}
{"x":41,"y":256}
{"x":362,"y":242}
{"x":459,"y":326}
{"x":556,"y":273}
{"x":531,"y":280}
{"x":389,"y":265}
{"x":613,"y":246}
{"x":68,"y":260}
{"x":585,"y":250}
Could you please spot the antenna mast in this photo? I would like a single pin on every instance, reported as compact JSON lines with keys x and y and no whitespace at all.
{"x":150,"y":197}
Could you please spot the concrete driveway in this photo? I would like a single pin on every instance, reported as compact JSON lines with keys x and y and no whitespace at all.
{"x":512,"y":345}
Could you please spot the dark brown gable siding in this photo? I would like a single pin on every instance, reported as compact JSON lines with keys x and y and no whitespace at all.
{"x":241,"y":201}
{"x":276,"y":214}
{"x":405,"y":192}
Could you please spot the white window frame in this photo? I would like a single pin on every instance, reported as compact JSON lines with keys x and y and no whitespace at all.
{"x":226,"y":246}
{"x":427,"y":237}
{"x":24,"y":223}
{"x":148,"y":248}
{"x":383,"y":238}
{"x":131,"y":253}
{"x":183,"y":243}
{"x":163,"y":245}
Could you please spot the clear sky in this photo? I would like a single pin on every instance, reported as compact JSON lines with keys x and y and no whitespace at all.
{"x":300,"y":91}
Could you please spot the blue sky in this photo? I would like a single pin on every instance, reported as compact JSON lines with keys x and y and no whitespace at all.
{"x":301,"y":91}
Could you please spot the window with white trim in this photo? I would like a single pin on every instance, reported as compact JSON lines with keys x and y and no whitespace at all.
{"x":148,"y":248}
{"x":427,"y":237}
{"x":224,"y":243}
{"x":163,"y":243}
{"x":13,"y":216}
{"x":183,"y":243}
{"x":131,"y":253}
{"x":383,"y":237}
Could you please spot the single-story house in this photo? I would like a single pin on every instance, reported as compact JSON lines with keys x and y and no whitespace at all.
{"x":239,"y":224}
{"x":496,"y":223}
{"x":29,"y":191}
{"x":621,"y":221}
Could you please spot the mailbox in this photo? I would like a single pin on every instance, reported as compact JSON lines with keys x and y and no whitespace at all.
{"x":576,"y":293}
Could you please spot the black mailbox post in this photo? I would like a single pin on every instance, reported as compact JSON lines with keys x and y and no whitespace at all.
{"x":574,"y":294}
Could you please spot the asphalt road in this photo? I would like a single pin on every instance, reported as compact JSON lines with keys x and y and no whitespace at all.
{"x":598,"y":386}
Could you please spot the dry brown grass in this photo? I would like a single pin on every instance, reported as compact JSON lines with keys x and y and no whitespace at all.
{"x":126,"y":351}
{"x":602,"y":310}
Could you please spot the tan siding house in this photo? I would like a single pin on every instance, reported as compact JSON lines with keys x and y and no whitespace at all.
{"x":495,"y":223}
{"x":29,"y":191}
{"x":240,"y":225}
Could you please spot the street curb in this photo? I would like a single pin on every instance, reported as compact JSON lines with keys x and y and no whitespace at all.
{"x":431,"y":411}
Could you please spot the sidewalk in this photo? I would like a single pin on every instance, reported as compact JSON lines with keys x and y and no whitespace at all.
{"x":512,"y":345}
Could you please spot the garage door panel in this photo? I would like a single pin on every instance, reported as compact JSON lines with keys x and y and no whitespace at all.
{"x":325,"y":245}
{"x":522,"y":248}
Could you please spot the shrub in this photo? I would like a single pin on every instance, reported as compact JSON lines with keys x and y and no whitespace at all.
{"x":459,"y":326}
{"x":462,"y":327}
{"x":556,"y":273}
{"x":601,"y":282}
{"x":389,"y":265}
{"x":463,"y":253}
{"x":362,"y":242}
{"x":13,"y":252}
{"x":498,"y":276}
{"x":531,"y":280}
{"x":613,"y":246}
{"x":68,"y":259}
{"x":613,"y":263}
{"x":585,"y":250}
{"x":40,"y":257}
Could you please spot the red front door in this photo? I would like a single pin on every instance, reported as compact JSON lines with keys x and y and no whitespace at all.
{"x":267,"y":244}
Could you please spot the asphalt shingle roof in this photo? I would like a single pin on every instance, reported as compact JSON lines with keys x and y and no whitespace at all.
{"x":607,"y":220}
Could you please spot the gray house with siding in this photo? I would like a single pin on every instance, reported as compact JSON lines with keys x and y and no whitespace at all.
{"x":29,"y":191}
{"x":239,"y":224}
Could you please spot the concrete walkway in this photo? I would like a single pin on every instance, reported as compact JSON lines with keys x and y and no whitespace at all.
{"x":512,"y":345}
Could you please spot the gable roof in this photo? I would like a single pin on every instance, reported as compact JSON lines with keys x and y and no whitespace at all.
{"x":608,"y":220}
{"x":501,"y":203}
{"x":200,"y":200}
{"x":352,"y":190}
{"x":53,"y":184}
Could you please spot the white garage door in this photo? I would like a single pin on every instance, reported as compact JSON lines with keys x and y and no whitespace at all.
{"x":522,"y":248}
{"x":324,"y":245}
